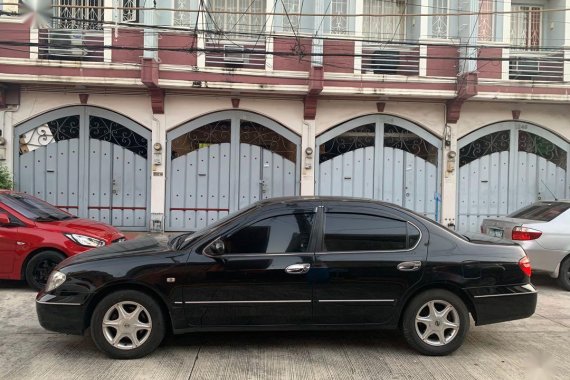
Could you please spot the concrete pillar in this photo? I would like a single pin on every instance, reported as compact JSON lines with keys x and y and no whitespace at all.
{"x":449,"y":178}
{"x":308,"y":161}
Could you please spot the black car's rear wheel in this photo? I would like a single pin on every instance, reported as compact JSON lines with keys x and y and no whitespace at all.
{"x":435,"y":322}
{"x":40,"y":266}
{"x":127,"y":325}
{"x":564,"y":275}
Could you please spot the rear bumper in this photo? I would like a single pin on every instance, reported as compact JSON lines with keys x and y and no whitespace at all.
{"x":63,"y":317}
{"x":504,"y":303}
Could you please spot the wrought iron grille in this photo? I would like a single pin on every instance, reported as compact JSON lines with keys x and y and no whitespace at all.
{"x":400,"y":138}
{"x":380,"y":26}
{"x":115,"y":133}
{"x":256,"y":134}
{"x":291,"y":23}
{"x":531,"y":143}
{"x":246,"y":17}
{"x":489,"y":144}
{"x":339,"y":16}
{"x":440,"y":20}
{"x":357,"y":138}
{"x":181,"y":18}
{"x":78,"y":14}
{"x":218,"y":132}
{"x":65,"y":128}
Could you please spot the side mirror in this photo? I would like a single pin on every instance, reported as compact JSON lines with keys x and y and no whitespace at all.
{"x":218,"y":247}
{"x":4,"y":220}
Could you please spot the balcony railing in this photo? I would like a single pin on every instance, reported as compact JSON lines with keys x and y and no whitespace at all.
{"x":71,"y":45}
{"x":390,"y":59}
{"x":536,"y":66}
{"x":235,"y":53}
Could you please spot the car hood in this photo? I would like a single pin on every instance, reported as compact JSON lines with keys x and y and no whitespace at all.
{"x":83,"y":226}
{"x":138,"y":247}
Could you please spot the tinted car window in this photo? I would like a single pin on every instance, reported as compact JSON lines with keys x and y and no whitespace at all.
{"x":278,"y":234}
{"x":12,"y":218}
{"x":33,"y":208}
{"x":360,"y":232}
{"x":543,"y":212}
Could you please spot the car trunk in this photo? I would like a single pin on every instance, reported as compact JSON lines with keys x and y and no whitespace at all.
{"x":503,"y":227}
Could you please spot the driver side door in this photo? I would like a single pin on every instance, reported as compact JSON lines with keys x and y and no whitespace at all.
{"x":262,"y":276}
{"x":8,"y":244}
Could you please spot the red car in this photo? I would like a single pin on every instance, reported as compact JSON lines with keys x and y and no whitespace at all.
{"x":35,"y":236}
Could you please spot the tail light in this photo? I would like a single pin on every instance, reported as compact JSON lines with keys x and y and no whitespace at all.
{"x":524,"y":264}
{"x":524,"y":233}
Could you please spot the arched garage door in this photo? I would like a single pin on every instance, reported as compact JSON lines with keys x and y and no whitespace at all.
{"x":225,"y":161}
{"x":381,"y":157}
{"x":506,"y":166}
{"x":89,"y":161}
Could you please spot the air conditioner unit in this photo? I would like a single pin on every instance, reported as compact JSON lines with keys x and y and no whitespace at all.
{"x":66,"y":44}
{"x":234,"y":55}
{"x":523,"y":69}
{"x":385,"y":61}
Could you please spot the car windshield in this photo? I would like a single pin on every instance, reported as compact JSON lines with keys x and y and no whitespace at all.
{"x":181,"y":241}
{"x":34,"y":208}
{"x":543,"y":211}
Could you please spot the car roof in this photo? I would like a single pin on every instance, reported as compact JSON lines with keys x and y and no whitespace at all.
{"x":326,"y":199}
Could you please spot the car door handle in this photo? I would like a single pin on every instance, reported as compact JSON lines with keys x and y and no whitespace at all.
{"x":408,"y":266}
{"x":298,"y":268}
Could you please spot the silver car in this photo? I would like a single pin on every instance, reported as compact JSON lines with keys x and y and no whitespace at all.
{"x":543,"y":230}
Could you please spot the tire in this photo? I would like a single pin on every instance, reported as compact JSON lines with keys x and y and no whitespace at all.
{"x":40,"y":266}
{"x":140,"y":309}
{"x":442,"y":341}
{"x":564,"y":274}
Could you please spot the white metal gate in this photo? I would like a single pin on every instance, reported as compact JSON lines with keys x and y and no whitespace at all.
{"x":88,"y":161}
{"x":225,"y":161}
{"x":381,"y":157}
{"x":506,"y":166}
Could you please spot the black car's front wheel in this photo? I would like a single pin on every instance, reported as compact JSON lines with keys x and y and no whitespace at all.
{"x":436,"y":322}
{"x":127,"y":325}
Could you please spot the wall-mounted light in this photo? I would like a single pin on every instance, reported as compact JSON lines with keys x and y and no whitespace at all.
{"x":451,"y":161}
{"x":309,"y":158}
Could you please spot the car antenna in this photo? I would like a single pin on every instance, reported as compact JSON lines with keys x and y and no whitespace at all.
{"x":547,"y":188}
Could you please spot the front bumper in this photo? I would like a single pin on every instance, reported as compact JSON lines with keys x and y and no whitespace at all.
{"x":503,"y":303}
{"x":60,"y":316}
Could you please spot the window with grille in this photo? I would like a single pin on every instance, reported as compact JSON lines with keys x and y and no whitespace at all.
{"x":486,"y":20}
{"x":130,"y":13}
{"x":386,"y":19}
{"x":291,"y":20}
{"x":78,"y":14}
{"x":180,"y":17}
{"x":240,"y":16}
{"x":526,"y":25}
{"x":339,"y":16}
{"x":440,"y":20}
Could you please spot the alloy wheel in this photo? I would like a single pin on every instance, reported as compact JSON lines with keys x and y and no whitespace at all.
{"x":127,"y":325}
{"x":42,"y":270}
{"x":437,"y":323}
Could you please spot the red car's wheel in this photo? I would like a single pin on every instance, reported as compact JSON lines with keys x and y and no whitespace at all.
{"x":40,"y":266}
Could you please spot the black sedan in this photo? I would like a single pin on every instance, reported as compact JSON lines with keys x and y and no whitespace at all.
{"x":291,"y":263}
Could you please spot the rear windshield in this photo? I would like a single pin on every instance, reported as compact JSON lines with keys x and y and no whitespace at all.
{"x":544,"y":211}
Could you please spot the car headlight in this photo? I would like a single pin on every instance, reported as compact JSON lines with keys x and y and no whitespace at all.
{"x":56,"y":278}
{"x":86,"y":241}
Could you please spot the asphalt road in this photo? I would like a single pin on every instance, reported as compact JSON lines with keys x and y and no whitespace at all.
{"x":535,"y":348}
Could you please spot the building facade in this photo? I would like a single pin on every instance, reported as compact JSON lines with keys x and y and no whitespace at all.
{"x":167,"y":117}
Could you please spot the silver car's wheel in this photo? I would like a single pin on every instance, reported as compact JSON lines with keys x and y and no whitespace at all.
{"x":437,"y":323}
{"x":127,"y":325}
{"x":564,"y":275}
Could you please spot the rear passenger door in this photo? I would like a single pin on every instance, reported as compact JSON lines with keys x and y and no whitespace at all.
{"x":368,"y":258}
